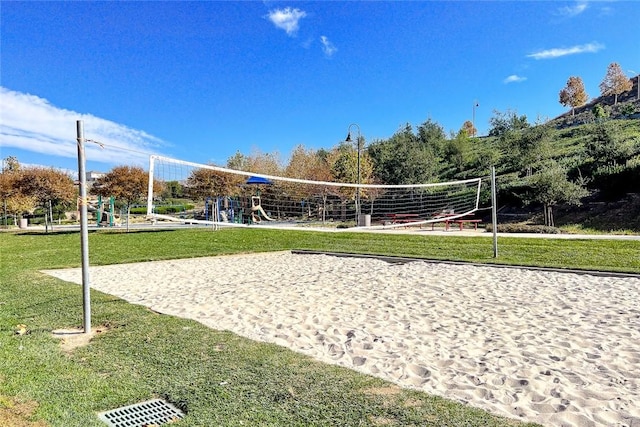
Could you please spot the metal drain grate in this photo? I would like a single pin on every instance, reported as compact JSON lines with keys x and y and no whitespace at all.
{"x":151,"y":412}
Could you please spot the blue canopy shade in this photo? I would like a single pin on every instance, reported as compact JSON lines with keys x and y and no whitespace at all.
{"x":258,"y":180}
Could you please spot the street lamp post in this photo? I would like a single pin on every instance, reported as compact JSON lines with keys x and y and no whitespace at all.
{"x":348,"y":139}
{"x":473,"y":117}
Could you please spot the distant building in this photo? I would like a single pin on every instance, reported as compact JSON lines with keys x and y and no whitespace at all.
{"x":92,"y":176}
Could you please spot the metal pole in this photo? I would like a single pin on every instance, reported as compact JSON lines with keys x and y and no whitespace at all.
{"x":473,"y":118}
{"x":494,"y":212}
{"x":359,"y":180}
{"x":5,"y":199}
{"x":359,"y":177}
{"x":150,"y":189}
{"x":84,"y":230}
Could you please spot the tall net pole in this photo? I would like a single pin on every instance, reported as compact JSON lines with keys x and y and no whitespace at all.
{"x":494,"y":212}
{"x":84,"y":229}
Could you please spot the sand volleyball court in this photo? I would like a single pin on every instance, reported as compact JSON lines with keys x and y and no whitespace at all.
{"x":560,"y":349}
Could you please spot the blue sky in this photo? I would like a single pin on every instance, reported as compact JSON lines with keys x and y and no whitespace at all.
{"x":201,"y":80}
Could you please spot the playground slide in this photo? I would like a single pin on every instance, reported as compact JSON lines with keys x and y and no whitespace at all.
{"x":261,"y":211}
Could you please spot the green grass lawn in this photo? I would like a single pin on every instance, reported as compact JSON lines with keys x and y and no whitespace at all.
{"x":217,"y":377}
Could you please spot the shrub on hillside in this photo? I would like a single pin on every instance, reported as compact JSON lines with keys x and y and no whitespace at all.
{"x":524,"y":228}
{"x":616,"y":181}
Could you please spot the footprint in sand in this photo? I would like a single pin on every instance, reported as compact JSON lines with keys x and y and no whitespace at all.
{"x":419,"y":371}
{"x":517,"y":382}
{"x":359,"y":361}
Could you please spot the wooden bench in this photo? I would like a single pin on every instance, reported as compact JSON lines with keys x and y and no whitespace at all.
{"x":461,"y":221}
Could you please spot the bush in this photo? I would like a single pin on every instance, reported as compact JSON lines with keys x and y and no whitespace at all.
{"x":627,"y":109}
{"x":172,"y":209}
{"x":601,"y":112}
{"x":163,"y":210}
{"x":524,"y":228}
{"x":141,"y":210}
{"x":616,"y":181}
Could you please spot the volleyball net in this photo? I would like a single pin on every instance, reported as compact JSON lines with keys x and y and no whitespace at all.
{"x":196,"y":193}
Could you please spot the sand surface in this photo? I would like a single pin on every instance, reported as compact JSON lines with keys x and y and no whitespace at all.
{"x":560,"y":349}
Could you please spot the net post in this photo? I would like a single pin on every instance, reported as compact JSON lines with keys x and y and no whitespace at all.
{"x":84,"y":229}
{"x":494,"y":212}
{"x":150,"y":188}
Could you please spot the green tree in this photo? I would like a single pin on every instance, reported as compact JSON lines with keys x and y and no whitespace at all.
{"x":404,"y":158}
{"x":551,"y":187}
{"x":173,"y":190}
{"x":532,"y":148}
{"x":485,"y":156}
{"x":615,"y":82}
{"x":507,"y":122}
{"x":458,"y":152}
{"x":432,"y":138}
{"x":128,"y":184}
{"x":573,"y":94}
{"x":607,"y":147}
{"x":342,"y":161}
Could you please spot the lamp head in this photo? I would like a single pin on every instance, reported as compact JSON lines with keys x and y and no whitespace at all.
{"x":348,"y":139}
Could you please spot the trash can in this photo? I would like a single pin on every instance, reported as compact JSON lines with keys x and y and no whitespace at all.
{"x":23,"y":223}
{"x":364,"y":220}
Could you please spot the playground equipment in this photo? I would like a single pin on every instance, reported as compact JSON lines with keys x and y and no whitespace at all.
{"x":105,"y":215}
{"x":222,"y":209}
{"x":104,"y":211}
{"x":257,"y":213}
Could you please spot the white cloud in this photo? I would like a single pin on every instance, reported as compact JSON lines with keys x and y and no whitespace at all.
{"x":514,"y":78}
{"x":574,"y":10}
{"x":287,"y":19}
{"x":606,"y":11}
{"x":328,"y":48}
{"x":558,"y":52}
{"x":31,"y":123}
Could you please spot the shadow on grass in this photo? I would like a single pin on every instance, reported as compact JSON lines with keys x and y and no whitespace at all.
{"x":104,"y":232}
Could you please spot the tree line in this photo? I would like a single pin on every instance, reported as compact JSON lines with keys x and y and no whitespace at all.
{"x":526,"y":155}
{"x":22,"y":190}
{"x":25,"y":190}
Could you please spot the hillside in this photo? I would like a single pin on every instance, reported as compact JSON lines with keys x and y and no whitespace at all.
{"x":584,"y":113}
{"x":602,"y":153}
